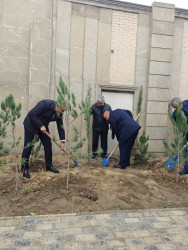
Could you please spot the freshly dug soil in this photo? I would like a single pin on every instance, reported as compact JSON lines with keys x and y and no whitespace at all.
{"x":90,"y":188}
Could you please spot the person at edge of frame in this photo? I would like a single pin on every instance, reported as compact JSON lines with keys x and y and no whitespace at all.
{"x":184,"y":105}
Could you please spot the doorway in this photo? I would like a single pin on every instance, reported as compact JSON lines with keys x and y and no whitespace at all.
{"x":117,"y":100}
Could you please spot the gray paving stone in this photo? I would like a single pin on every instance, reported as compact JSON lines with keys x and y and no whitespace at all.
{"x":23,"y":243}
{"x":156,"y":229}
{"x":52,"y":247}
{"x":12,"y":235}
{"x":89,"y":230}
{"x":33,"y":221}
{"x":66,"y":238}
{"x":151,"y":247}
{"x":96,"y":244}
{"x":26,"y":228}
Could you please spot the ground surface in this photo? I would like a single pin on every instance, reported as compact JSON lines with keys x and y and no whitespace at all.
{"x":91,"y":188}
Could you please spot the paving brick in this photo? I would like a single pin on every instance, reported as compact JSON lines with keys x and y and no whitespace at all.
{"x":130,"y":230}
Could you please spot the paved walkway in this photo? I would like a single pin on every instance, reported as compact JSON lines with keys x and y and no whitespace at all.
{"x":138,"y":229}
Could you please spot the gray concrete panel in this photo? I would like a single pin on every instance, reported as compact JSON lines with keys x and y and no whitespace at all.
{"x":105,"y":15}
{"x":156,"y":120}
{"x":159,"y":81}
{"x":160,"y":68}
{"x":156,"y":133}
{"x":163,"y":14}
{"x":76,"y":62}
{"x":63,"y":33}
{"x":92,"y":12}
{"x":161,"y":55}
{"x":64,"y":8}
{"x":154,"y":107}
{"x":163,"y":5}
{"x":161,"y":41}
{"x":156,"y":146}
{"x":162,"y":28}
{"x":77,"y":31}
{"x":103,"y":53}
{"x":157,"y":94}
{"x":78,"y":9}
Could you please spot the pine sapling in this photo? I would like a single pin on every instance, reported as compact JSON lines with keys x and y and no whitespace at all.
{"x":67,"y":100}
{"x":10,"y":113}
{"x":178,"y":146}
{"x":141,"y":154}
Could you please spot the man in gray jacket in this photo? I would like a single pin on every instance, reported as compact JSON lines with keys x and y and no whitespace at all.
{"x":100,"y":126}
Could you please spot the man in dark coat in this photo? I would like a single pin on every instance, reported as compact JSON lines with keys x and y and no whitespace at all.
{"x":184,"y":104}
{"x":100,"y":126}
{"x":125,"y":129}
{"x":36,"y":122}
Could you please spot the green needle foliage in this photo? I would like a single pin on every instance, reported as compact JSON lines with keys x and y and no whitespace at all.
{"x":141,"y":155}
{"x":177,"y":146}
{"x":85,"y":108}
{"x":9,"y":114}
{"x":142,"y":147}
{"x":36,"y":146}
{"x":67,"y":100}
{"x":139,"y":104}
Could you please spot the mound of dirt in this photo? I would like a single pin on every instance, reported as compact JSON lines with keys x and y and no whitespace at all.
{"x":90,"y":188}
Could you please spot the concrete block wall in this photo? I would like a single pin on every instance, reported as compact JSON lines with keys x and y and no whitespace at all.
{"x":25,"y":52}
{"x":183,"y":92}
{"x":95,"y":43}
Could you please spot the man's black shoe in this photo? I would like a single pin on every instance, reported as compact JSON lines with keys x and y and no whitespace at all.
{"x":183,"y":172}
{"x":25,"y":172}
{"x":94,"y":156}
{"x":103,"y":156}
{"x":119,"y":166}
{"x":52,"y":169}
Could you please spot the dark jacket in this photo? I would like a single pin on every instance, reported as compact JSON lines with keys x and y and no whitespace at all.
{"x":42,"y":114}
{"x":123,"y":125}
{"x":99,"y":123}
{"x":185,"y":111}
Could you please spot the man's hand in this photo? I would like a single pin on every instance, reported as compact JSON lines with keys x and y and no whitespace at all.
{"x":43,"y":129}
{"x":62,"y":146}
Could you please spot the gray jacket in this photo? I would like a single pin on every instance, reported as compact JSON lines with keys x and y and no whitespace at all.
{"x":99,"y":123}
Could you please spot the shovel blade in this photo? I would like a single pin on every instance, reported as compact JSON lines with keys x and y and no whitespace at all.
{"x":171,"y":162}
{"x":77,"y":163}
{"x":104,"y":162}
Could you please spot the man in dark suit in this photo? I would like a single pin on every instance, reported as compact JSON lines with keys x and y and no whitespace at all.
{"x":100,"y":126}
{"x":184,"y":105}
{"x":36,"y":122}
{"x":125,"y":129}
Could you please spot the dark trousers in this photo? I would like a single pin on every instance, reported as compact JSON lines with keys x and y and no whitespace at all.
{"x":46,"y":142}
{"x":104,"y":141}
{"x":125,"y":150}
{"x":186,"y":155}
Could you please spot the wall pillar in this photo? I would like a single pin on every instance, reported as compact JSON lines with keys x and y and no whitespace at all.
{"x":160,"y":63}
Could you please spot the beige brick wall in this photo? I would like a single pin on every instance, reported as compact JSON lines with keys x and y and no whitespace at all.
{"x":123,"y":48}
{"x":183,"y":92}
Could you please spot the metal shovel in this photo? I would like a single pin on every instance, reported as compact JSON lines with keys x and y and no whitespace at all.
{"x":105,"y":161}
{"x":77,"y":163}
{"x":173,"y":160}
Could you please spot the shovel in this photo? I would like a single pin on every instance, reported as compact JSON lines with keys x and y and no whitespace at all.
{"x":172,"y":161}
{"x":77,"y":163}
{"x":105,"y":161}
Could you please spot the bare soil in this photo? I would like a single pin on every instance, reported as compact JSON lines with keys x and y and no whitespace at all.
{"x":91,"y":188}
